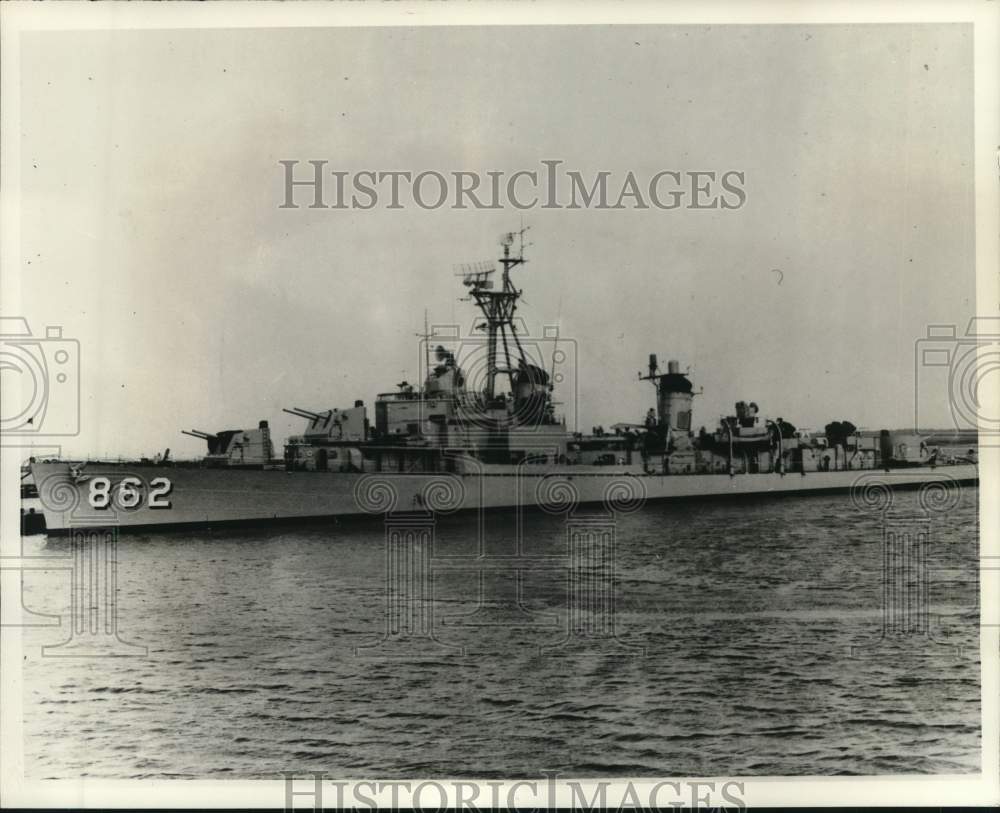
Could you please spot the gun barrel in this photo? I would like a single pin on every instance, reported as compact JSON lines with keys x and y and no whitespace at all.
{"x":197,"y":433}
{"x":302,"y":413}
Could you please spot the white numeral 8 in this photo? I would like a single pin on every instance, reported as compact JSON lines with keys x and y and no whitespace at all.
{"x":100,"y":493}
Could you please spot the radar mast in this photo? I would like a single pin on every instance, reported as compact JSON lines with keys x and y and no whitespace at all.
{"x":498,"y":306}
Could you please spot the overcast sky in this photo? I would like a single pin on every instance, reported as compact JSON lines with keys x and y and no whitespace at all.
{"x":151,"y":186}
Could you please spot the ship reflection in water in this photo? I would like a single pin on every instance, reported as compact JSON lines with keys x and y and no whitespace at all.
{"x":260,"y":658}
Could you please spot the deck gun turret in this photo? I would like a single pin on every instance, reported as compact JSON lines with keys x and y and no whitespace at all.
{"x":333,"y":425}
{"x":246,"y":448}
{"x":329,"y":441}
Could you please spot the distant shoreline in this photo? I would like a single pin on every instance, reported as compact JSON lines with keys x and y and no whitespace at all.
{"x":937,"y":437}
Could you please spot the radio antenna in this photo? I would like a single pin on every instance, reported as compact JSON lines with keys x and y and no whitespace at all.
{"x":426,"y":336}
{"x":555,"y":344}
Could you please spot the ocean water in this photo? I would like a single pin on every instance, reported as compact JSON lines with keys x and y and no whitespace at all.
{"x":712,"y":638}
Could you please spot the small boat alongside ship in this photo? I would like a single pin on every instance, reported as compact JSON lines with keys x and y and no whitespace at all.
{"x":454,"y":445}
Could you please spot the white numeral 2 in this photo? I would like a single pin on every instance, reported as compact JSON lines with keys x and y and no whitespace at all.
{"x":161,"y":487}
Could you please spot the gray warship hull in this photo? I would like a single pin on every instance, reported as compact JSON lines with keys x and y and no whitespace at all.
{"x":134,"y":497}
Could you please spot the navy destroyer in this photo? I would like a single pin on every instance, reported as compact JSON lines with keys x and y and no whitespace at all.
{"x":493,"y":440}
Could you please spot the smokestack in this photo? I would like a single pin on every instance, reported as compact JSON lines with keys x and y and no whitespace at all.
{"x":673,"y":367}
{"x":653,"y":366}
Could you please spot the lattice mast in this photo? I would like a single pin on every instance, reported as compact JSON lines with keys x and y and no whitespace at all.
{"x":498,"y":307}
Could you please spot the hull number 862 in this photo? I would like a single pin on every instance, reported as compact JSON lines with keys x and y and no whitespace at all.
{"x":128,"y":493}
